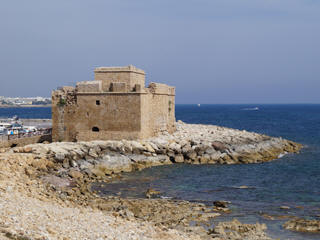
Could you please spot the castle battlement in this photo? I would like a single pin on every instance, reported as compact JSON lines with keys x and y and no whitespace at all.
{"x":115,"y":105}
{"x":129,"y":68}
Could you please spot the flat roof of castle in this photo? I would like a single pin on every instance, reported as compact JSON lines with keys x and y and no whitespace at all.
{"x":129,"y":68}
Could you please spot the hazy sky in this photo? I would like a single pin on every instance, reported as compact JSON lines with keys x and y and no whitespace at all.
{"x":213,"y":51}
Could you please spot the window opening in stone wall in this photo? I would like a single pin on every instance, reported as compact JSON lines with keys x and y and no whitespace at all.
{"x":97,"y":102}
{"x":95,"y":129}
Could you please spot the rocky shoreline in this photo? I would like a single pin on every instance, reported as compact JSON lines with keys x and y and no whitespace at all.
{"x":60,"y":175}
{"x":191,"y":143}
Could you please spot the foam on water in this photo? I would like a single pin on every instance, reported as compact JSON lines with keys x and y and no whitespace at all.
{"x":282,"y":154}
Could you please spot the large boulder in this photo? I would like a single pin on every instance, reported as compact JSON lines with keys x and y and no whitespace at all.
{"x":137,"y":147}
{"x":113,"y":164}
{"x":178,"y":158}
{"x":238,"y":230}
{"x":175,"y":147}
{"x":218,"y":146}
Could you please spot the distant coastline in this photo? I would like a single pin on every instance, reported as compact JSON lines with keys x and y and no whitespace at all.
{"x":24,"y":106}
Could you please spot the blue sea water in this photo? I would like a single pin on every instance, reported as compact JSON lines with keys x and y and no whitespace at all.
{"x":26,"y":112}
{"x":293,"y":180}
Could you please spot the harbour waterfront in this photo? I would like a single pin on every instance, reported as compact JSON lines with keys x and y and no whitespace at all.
{"x":19,"y":132}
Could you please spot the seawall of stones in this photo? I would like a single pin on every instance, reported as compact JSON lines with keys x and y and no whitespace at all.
{"x":100,"y":158}
{"x":19,"y":142}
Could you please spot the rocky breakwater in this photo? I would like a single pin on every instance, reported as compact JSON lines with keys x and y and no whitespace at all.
{"x":191,"y":143}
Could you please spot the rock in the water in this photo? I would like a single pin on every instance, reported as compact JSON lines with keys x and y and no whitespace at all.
{"x":303,"y":225}
{"x":206,"y":216}
{"x":151,"y":193}
{"x":284,"y":207}
{"x":221,"y":204}
{"x":237,"y":230}
{"x":244,"y":187}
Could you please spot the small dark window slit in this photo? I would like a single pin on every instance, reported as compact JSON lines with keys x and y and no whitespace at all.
{"x":95,"y":129}
{"x":97,"y":102}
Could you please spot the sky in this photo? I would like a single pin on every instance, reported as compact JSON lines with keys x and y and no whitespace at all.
{"x":213,"y":51}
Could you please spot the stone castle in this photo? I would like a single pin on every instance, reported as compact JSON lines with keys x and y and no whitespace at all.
{"x":114,"y":106}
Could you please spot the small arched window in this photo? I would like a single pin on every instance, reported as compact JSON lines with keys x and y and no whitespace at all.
{"x":95,"y":129}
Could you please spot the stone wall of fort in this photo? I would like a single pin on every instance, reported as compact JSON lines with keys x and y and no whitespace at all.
{"x":116,"y":116}
{"x":20,"y":142}
{"x":64,"y":114}
{"x":116,"y":106}
{"x":158,"y":109}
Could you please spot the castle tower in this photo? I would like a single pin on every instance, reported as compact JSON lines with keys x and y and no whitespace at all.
{"x":130,"y":76}
{"x":114,"y":106}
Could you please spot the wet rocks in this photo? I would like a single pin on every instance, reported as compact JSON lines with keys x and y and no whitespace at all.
{"x":205,"y":217}
{"x":284,"y":207}
{"x":221,"y":204}
{"x":152,"y":193}
{"x":161,"y":212}
{"x":276,"y":217}
{"x":244,"y":187}
{"x":237,"y":230}
{"x":303,"y":225}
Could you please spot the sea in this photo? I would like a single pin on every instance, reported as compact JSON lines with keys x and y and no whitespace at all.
{"x":292,"y":180}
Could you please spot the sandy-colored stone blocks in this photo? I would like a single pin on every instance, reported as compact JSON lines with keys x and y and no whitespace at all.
{"x":115,"y":105}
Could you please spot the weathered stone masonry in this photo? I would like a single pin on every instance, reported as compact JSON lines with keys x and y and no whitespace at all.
{"x":115,"y":106}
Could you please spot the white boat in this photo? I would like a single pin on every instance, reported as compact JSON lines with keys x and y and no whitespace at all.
{"x":14,"y":127}
{"x":251,"y":109}
{"x":2,"y":130}
{"x":30,"y":129}
{"x":5,"y":125}
{"x":199,"y":104}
